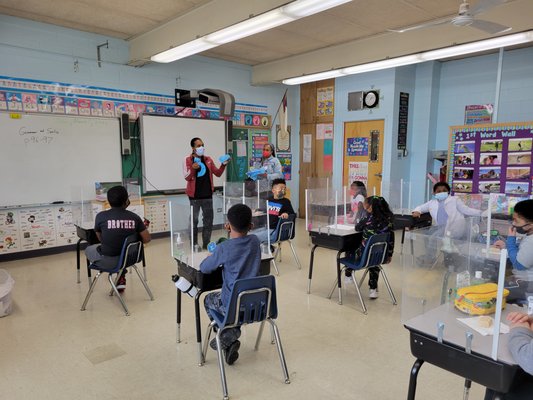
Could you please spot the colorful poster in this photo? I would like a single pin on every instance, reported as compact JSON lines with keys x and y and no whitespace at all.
{"x":96,"y":108}
{"x":478,"y":114}
{"x":58,"y":105}
{"x":84,"y":107}
{"x":357,"y":146}
{"x":9,"y":236}
{"x":324,"y":131}
{"x":109,"y":108}
{"x":286,"y":165}
{"x":491,"y":158}
{"x":14,"y":101}
{"x":37,"y":226}
{"x":324,"y":101}
{"x":29,"y":102}
{"x":358,"y":171}
{"x":44,"y":103}
{"x":71,"y":105}
{"x":258,"y":141}
{"x":3,"y":101}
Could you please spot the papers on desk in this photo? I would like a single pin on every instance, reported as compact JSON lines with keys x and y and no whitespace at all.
{"x":342,"y":227}
{"x":473,"y":322}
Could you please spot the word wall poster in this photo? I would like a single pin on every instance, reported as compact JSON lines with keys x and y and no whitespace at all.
{"x":492,"y":158}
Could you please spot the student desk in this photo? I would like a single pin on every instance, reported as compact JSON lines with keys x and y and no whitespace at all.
{"x":408,"y":222}
{"x":343,"y":238}
{"x":86,"y":234}
{"x":204,"y":283}
{"x":450,"y":354}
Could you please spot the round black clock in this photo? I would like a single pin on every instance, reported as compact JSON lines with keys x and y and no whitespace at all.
{"x":371,"y":99}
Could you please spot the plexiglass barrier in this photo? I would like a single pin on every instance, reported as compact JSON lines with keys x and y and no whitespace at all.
{"x":398,"y":194}
{"x":442,"y":278}
{"x":251,"y":193}
{"x":328,"y":209}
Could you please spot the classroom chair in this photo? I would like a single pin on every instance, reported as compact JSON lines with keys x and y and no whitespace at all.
{"x":131,"y":254}
{"x":252,"y":300}
{"x":374,"y":255}
{"x":284,"y":232}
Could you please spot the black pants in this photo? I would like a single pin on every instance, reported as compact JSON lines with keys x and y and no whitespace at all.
{"x":207,"y":219}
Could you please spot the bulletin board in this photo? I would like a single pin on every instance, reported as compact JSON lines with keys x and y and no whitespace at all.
{"x":491,"y":158}
{"x":45,"y":158}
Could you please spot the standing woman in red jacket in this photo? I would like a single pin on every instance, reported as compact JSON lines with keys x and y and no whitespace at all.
{"x":198,"y":170}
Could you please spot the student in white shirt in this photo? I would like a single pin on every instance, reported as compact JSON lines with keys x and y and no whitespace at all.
{"x":358,"y":192}
{"x":448,"y":212}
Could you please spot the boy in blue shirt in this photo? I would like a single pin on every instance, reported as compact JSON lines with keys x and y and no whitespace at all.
{"x":239,"y":257}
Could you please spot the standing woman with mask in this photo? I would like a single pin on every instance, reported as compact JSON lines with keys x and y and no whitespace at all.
{"x":448,"y":212}
{"x":270,"y":163}
{"x":520,"y":253}
{"x":198,"y":170}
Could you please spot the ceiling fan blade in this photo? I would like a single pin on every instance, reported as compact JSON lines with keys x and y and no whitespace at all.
{"x":489,"y":27}
{"x":484,"y":5}
{"x":426,"y":25}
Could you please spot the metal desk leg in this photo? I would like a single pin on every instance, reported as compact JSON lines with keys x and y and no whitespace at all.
{"x":178,"y":315}
{"x":88,"y":272}
{"x":412,"y":380}
{"x":144,"y":267}
{"x":78,"y":249}
{"x":311,"y":268}
{"x":339,"y":276}
{"x":198,"y":328}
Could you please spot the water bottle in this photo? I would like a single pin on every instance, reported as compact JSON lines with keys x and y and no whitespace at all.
{"x":179,"y":246}
{"x":184,"y":285}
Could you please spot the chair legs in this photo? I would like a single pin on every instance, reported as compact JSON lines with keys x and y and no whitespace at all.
{"x":114,"y":290}
{"x":220,"y":355}
{"x":295,"y":255}
{"x":358,"y":286}
{"x":277,"y":253}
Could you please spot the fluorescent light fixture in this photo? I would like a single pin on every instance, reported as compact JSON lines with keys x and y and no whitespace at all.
{"x":249,"y":27}
{"x":263,"y":22}
{"x":304,"y":8}
{"x":446,"y":52}
{"x":475,"y":47}
{"x":182,"y":51}
{"x":313,"y":77}
{"x":384,"y":64}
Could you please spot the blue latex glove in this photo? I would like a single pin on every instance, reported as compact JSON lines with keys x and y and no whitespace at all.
{"x":202,"y":166}
{"x":224,"y":158}
{"x":211,"y":247}
{"x":254,"y":173}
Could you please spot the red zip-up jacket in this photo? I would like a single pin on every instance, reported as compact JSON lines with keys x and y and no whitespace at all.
{"x":190,"y":174}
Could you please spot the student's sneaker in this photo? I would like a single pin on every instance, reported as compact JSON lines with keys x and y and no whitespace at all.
{"x":213,"y":343}
{"x":373,"y":294}
{"x":121,"y":284}
{"x":348,"y":280}
{"x":232,"y":353}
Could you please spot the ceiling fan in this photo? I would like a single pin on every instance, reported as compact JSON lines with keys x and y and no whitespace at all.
{"x":466,"y":17}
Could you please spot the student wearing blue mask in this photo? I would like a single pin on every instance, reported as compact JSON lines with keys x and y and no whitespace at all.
{"x":520,"y":250}
{"x":198,"y":170}
{"x":448,"y":212}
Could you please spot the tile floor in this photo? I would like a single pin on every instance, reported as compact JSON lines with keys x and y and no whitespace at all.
{"x":49,"y":349}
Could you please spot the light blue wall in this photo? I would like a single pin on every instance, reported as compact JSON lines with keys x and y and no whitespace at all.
{"x":439,"y":92}
{"x":40,"y":51}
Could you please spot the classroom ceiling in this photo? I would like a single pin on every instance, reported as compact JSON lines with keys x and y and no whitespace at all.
{"x":350,"y":34}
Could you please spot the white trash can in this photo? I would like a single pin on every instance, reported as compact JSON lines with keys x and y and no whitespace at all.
{"x":6,"y":286}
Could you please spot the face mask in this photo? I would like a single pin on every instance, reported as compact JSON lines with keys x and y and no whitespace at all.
{"x":280,"y":194}
{"x":520,"y":229}
{"x":441,"y":196}
{"x":200,"y":151}
{"x":266,"y":154}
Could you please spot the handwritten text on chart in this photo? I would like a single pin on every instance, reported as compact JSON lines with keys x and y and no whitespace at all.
{"x":38,"y":136}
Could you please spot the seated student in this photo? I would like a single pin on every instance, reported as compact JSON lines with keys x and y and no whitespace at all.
{"x":446,"y":211}
{"x":239,"y":257}
{"x":112,"y":227}
{"x":278,"y":207}
{"x":521,"y":254}
{"x":521,"y":348}
{"x":379,"y":220}
{"x":358,"y":191}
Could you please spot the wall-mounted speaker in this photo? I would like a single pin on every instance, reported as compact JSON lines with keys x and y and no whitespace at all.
{"x":125,"y":134}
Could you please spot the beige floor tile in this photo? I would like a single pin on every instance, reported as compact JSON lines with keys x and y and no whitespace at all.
{"x":50,"y":350}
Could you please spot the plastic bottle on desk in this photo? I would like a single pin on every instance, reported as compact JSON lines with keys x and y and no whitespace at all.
{"x":179,"y":246}
{"x":478,"y":278}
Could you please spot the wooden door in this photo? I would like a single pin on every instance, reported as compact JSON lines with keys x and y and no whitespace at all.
{"x":363,"y":154}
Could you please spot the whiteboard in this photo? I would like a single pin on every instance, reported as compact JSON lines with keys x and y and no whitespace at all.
{"x":50,"y":158}
{"x":166,"y":141}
